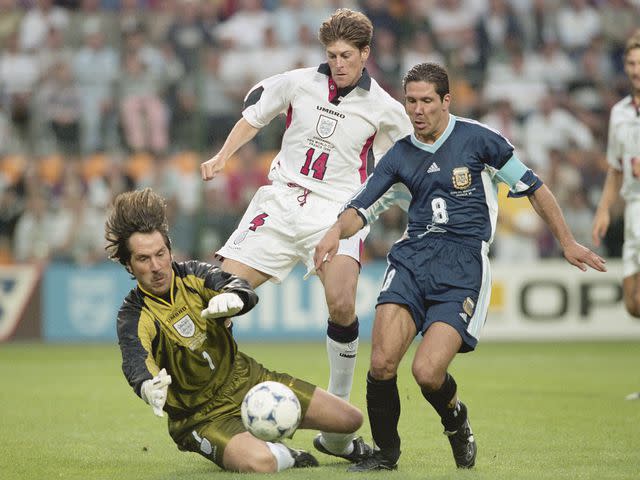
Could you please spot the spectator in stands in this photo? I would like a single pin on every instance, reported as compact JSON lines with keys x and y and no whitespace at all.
{"x":513,"y":81}
{"x":10,"y":19}
{"x":577,"y":24}
{"x":385,"y":66}
{"x":183,"y":190}
{"x":210,"y":17}
{"x":96,"y":68}
{"x":246,"y":177}
{"x":30,"y":236}
{"x":143,"y":112}
{"x":537,"y":20}
{"x":187,"y":35}
{"x":43,"y":231}
{"x":245,"y":28}
{"x":551,"y":64}
{"x":306,"y":50}
{"x":63,"y":109}
{"x":92,"y":17}
{"x":468,"y":58}
{"x":419,"y":48}
{"x":413,"y":19}
{"x":54,"y":51}
{"x":272,"y":58}
{"x":553,"y":127}
{"x":595,"y":74}
{"x":217,"y":101}
{"x":502,"y":118}
{"x":289,"y":17}
{"x":498,"y":30}
{"x":19,"y":75}
{"x":618,"y":19}
{"x":137,"y":41}
{"x":450,"y":19}
{"x":38,"y":20}
{"x":85,"y":243}
{"x":381,"y":17}
{"x":131,"y":17}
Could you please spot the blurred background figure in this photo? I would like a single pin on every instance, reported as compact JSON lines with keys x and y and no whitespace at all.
{"x":142,"y":109}
{"x":96,"y":69}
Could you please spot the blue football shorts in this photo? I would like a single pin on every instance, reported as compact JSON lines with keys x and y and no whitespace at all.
{"x":440,"y":279}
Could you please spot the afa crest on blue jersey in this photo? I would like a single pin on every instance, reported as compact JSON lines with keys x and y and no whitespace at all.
{"x":461,"y":178}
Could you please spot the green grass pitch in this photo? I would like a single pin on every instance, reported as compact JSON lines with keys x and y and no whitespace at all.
{"x":539,"y":411}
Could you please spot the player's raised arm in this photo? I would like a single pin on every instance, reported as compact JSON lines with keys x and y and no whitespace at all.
{"x":547,"y":207}
{"x":241,"y":133}
{"x":349,"y":222}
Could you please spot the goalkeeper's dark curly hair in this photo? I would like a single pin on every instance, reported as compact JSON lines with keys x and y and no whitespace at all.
{"x":142,"y":211}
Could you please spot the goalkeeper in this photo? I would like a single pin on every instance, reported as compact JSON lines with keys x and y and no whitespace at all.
{"x":180,"y":357}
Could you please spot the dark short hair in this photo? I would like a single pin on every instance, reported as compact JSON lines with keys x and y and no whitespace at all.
{"x":430,"y":73}
{"x":141,"y":211}
{"x":347,"y":25}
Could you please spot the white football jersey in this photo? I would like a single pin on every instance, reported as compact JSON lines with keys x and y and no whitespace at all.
{"x":331,"y":143}
{"x":623,"y":148}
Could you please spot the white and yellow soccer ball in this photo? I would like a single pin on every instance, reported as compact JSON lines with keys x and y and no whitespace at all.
{"x":271,"y":411}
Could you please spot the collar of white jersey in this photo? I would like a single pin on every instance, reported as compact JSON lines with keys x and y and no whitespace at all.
{"x":433,"y":147}
{"x":364,"y":82}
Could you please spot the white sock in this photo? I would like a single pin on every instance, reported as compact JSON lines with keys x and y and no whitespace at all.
{"x":283,"y":457}
{"x":334,"y":442}
{"x":342,"y":364}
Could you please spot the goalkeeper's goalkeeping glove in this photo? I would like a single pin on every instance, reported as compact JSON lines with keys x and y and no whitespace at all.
{"x":223,"y":305}
{"x":154,"y":391}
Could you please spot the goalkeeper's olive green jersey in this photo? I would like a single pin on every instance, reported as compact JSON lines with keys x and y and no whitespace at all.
{"x":168,"y":332}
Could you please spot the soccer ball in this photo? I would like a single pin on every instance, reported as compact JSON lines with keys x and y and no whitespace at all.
{"x":271,"y":411}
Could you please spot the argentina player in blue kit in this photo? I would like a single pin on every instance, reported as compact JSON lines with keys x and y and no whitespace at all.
{"x":438,"y":281}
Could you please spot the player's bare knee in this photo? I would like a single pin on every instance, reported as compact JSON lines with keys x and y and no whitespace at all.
{"x":342,"y":310}
{"x":261,"y":461}
{"x":428,"y":378}
{"x":353,"y":419}
{"x":381,"y":367}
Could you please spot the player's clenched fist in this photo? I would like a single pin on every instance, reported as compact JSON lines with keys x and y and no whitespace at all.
{"x":223,"y":305}
{"x":212,"y":167}
{"x":154,"y":391}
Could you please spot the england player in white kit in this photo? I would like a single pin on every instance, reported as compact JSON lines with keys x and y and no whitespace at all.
{"x":623,"y":178}
{"x":339,"y":121}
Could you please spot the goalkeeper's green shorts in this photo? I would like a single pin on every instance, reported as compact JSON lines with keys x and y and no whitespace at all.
{"x":209,"y":430}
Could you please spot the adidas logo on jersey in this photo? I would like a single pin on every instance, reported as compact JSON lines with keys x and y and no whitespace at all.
{"x":433,"y":168}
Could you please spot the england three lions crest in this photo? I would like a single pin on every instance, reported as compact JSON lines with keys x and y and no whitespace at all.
{"x":461,"y":178}
{"x":185,"y":326}
{"x":326,"y":126}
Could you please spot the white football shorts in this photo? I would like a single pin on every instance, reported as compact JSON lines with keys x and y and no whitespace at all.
{"x":631,"y":246}
{"x":282,"y":226}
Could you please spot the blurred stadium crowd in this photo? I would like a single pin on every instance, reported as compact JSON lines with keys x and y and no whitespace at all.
{"x":101,"y":96}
